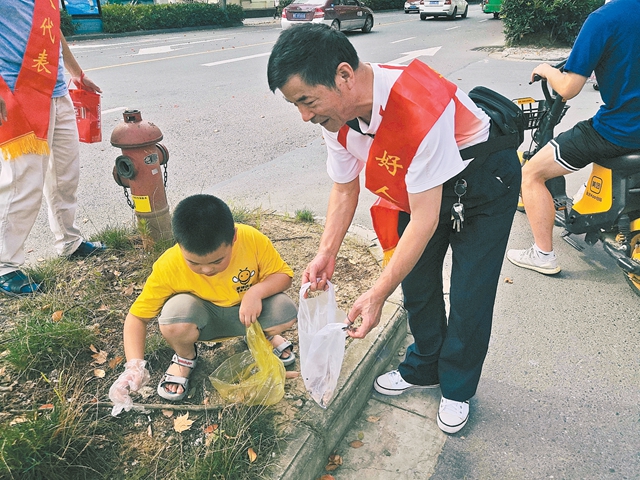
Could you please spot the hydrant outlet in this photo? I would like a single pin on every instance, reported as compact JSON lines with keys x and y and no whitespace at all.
{"x":125,"y":167}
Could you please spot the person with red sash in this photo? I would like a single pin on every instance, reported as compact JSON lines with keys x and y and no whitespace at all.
{"x":407,"y":128}
{"x":39,"y":146}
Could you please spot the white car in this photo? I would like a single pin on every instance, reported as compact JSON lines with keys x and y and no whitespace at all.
{"x":443,"y":8}
{"x":412,"y":6}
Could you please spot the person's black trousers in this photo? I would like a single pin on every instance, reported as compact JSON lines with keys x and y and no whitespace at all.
{"x":451,"y":352}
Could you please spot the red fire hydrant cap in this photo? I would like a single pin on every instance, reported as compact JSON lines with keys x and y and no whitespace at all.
{"x":135,"y":132}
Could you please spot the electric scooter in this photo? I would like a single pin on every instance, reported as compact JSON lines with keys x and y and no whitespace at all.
{"x":607,"y":207}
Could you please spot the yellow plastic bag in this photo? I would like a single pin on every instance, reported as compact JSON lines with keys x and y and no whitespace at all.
{"x":254,"y":377}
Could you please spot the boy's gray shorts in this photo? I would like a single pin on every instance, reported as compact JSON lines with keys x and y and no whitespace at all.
{"x":216,"y":322}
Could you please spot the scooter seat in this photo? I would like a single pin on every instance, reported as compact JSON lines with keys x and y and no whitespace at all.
{"x":625,"y":164}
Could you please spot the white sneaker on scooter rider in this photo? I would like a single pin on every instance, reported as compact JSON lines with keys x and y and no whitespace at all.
{"x":533,"y":259}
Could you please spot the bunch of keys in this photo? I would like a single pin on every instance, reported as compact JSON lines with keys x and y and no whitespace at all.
{"x":457,"y":211}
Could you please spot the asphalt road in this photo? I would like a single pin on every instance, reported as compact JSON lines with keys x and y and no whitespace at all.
{"x":561,"y":386}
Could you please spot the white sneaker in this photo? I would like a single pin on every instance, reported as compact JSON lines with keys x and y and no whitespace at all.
{"x":392,"y":383}
{"x":452,"y":415}
{"x":531,"y":259}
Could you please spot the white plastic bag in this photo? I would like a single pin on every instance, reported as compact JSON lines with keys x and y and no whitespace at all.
{"x":321,"y":335}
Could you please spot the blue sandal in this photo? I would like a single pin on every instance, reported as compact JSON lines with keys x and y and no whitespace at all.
{"x":17,"y":284}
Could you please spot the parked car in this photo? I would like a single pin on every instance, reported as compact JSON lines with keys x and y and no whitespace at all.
{"x":412,"y":6}
{"x":443,"y":8}
{"x":339,"y":14}
{"x":492,"y":6}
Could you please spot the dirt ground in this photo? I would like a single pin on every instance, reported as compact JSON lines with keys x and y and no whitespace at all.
{"x":297,"y":242}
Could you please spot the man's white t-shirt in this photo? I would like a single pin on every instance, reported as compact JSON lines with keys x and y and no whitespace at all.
{"x":437,"y":158}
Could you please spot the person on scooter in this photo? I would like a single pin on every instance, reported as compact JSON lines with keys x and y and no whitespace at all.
{"x":608,"y":44}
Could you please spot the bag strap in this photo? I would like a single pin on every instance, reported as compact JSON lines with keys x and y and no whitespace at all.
{"x":490,"y":146}
{"x":493,"y":144}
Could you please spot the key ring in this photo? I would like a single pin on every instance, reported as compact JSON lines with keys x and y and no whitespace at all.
{"x":460,"y":188}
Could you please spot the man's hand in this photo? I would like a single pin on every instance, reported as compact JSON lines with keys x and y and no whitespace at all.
{"x":85,"y":83}
{"x":319,"y":271}
{"x":250,"y":308}
{"x":566,"y":84}
{"x":3,"y":111}
{"x":369,"y":307}
{"x":542,"y":70}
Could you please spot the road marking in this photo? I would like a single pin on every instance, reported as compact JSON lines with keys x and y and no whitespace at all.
{"x":111,"y":110}
{"x":105,"y":45}
{"x":238,"y":59}
{"x":404,"y":40}
{"x":169,"y":48}
{"x":427,"y":52}
{"x":452,"y":28}
{"x":184,"y":55}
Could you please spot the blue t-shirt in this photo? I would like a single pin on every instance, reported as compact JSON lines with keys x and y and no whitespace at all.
{"x":15,"y":27}
{"x":609,"y":44}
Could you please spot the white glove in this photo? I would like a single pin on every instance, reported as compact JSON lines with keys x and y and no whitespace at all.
{"x":134,"y":377}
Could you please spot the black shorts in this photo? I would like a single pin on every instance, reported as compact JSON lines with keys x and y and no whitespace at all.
{"x":582,"y":145}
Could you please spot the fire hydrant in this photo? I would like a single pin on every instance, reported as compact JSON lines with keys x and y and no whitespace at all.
{"x":139,"y":169}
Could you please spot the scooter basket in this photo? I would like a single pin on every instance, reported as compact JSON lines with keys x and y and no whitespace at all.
{"x":535,"y":111}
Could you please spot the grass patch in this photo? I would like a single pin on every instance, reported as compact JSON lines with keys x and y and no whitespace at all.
{"x":305,"y":216}
{"x":66,"y":440}
{"x":75,"y":437}
{"x":42,"y":345}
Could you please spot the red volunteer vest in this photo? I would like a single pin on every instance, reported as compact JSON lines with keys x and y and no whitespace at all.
{"x":28,"y":106}
{"x":417,"y":99}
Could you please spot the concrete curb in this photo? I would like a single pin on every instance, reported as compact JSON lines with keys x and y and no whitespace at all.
{"x":312,"y":440}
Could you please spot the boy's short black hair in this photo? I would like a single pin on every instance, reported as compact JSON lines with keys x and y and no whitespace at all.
{"x":313,"y":51}
{"x":202,"y":223}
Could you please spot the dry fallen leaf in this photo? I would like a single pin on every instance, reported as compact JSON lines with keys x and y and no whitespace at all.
{"x":128,"y":291}
{"x":46,"y":406}
{"x":252,"y":455}
{"x":93,"y":349}
{"x":356,"y":444}
{"x":57,"y":315}
{"x":98,"y":372}
{"x":114,"y":362}
{"x":508,"y":280}
{"x":326,"y":476}
{"x":292,"y":374}
{"x":100,"y":357}
{"x":182,"y":423}
{"x":167,"y":413}
{"x":334,"y":462}
{"x":211,"y":428}
{"x":103,"y":308}
{"x":373,"y":419}
{"x":149,"y":431}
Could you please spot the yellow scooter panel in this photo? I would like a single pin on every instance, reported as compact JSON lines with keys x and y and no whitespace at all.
{"x":597,"y":196}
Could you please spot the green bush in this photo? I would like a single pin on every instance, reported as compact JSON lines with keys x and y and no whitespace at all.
{"x":66,"y":24}
{"x":384,"y":4}
{"x":128,"y":18}
{"x":374,"y":5}
{"x":550,"y":22}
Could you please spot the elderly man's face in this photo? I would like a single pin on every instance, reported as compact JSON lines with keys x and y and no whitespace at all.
{"x":318,"y":104}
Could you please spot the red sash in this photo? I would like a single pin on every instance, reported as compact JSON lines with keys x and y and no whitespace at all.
{"x":417,"y":99}
{"x":28,"y":106}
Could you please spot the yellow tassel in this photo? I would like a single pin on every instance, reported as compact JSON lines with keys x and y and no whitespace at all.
{"x":23,"y":145}
{"x":386,"y":256}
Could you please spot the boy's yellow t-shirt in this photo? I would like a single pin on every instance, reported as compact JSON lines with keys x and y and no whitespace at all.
{"x":253,"y":258}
